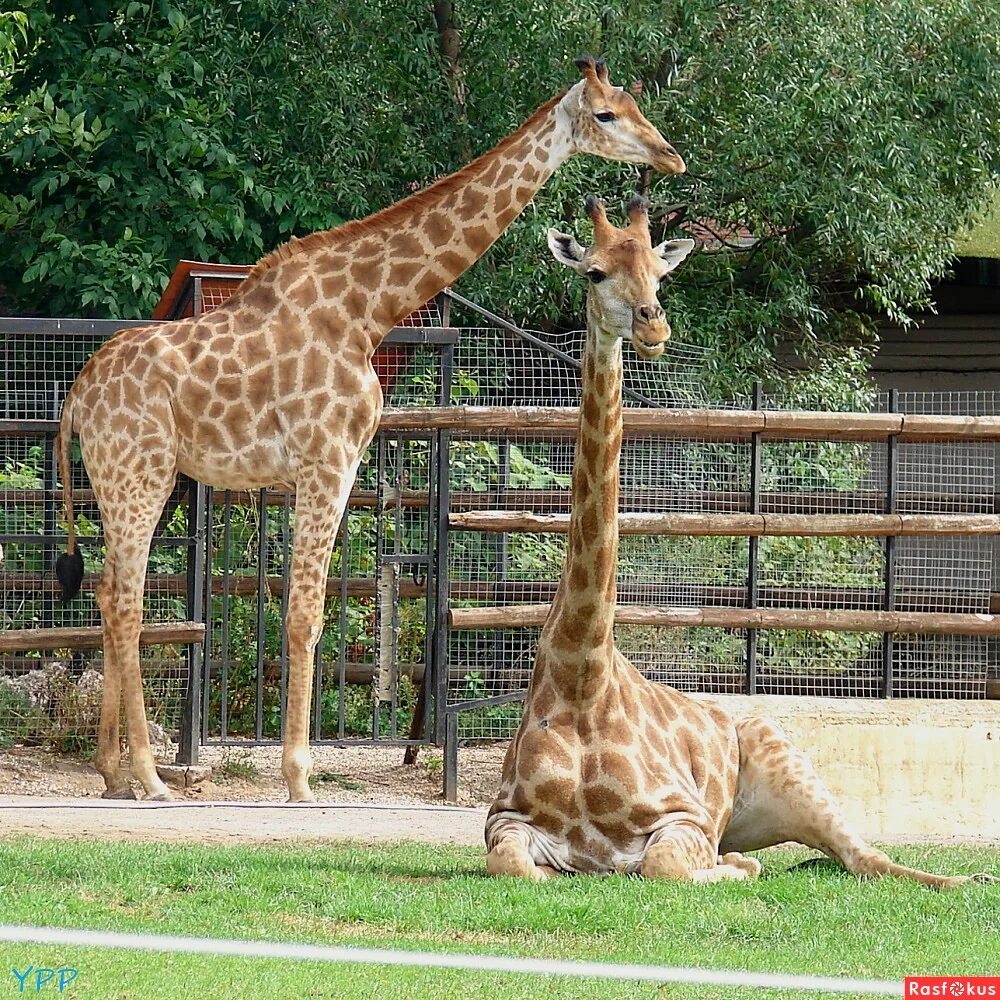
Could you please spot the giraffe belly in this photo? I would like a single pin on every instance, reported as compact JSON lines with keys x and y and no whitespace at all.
{"x":255,"y":468}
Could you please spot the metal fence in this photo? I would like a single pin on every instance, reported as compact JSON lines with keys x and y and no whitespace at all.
{"x":390,"y":668}
{"x":218,"y":570}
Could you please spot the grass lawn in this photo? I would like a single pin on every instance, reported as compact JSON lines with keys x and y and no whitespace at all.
{"x":815,"y":921}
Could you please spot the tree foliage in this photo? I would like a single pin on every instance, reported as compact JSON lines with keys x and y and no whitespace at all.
{"x":853,"y":139}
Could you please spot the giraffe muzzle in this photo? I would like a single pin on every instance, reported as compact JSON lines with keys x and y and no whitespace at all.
{"x":649,"y":341}
{"x":668,"y":161}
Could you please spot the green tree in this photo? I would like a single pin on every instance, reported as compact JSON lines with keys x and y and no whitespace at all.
{"x":852,"y":138}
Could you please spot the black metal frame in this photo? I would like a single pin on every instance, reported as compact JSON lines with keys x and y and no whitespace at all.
{"x":889,"y":592}
{"x":430,"y":567}
{"x":753,"y":545}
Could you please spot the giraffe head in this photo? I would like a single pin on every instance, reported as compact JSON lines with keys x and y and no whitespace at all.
{"x":624,"y":270}
{"x":607,"y":122}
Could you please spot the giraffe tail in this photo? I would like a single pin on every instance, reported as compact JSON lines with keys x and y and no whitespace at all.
{"x":69,"y":566}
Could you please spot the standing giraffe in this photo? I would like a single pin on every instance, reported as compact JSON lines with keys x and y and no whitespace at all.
{"x":276,"y":388}
{"x":609,"y":771}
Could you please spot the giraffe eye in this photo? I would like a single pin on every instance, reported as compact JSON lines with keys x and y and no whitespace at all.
{"x":605,"y":116}
{"x":595,"y":277}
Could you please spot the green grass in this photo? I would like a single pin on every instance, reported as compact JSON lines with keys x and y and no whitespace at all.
{"x":808,"y":921}
{"x":238,"y":764}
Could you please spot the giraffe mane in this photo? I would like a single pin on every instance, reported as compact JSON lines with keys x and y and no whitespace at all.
{"x":387,"y":216}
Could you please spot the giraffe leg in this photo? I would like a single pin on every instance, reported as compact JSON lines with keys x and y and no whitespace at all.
{"x":780,"y":798}
{"x":107,"y":760}
{"x":681,"y":852}
{"x":510,"y":853}
{"x":320,"y":500}
{"x":128,"y":521}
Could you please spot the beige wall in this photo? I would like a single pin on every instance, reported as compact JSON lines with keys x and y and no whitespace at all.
{"x":904,"y":770}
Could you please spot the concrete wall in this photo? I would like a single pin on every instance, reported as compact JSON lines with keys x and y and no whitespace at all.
{"x":905,"y":770}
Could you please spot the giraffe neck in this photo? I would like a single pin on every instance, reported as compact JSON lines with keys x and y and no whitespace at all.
{"x":370,"y":273}
{"x":583,"y":611}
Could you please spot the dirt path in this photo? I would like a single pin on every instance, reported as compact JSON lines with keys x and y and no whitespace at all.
{"x":343,"y":775}
{"x":365,"y":793}
{"x":237,"y":822}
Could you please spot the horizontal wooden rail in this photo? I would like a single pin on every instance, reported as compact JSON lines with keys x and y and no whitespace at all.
{"x":734,"y":501}
{"x":526,"y":591}
{"x":244,"y":498}
{"x":554,"y":501}
{"x":742,"y":525}
{"x":727,"y":424}
{"x":633,"y":591}
{"x":89,"y":636}
{"x":928,"y":622}
{"x":240,"y":585}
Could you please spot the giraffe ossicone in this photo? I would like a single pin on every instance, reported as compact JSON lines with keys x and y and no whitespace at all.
{"x":608,"y":771}
{"x":276,"y":388}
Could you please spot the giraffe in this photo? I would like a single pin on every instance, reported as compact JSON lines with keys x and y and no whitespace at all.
{"x":609,"y":772}
{"x":276,"y":388}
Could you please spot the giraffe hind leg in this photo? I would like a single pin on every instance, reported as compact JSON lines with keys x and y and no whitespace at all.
{"x":128,"y":518}
{"x":107,"y":760}
{"x":781,"y":798}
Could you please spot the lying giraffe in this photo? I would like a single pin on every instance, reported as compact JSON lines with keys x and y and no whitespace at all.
{"x":609,"y":771}
{"x":276,"y":388}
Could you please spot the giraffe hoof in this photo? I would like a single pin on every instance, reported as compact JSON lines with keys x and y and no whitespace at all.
{"x":980,"y":878}
{"x":513,"y":860}
{"x":300,"y":797}
{"x":749,"y":865}
{"x":118,"y":793}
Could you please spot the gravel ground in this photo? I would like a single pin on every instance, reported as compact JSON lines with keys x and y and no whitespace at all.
{"x":353,"y":774}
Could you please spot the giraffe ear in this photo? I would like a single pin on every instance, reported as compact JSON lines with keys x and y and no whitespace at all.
{"x":566,"y":250}
{"x":672,"y":252}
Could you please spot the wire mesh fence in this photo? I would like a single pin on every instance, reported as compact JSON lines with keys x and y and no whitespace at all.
{"x":379,"y":652}
{"x":371,"y":662}
{"x":370,"y":669}
{"x":515,"y":472}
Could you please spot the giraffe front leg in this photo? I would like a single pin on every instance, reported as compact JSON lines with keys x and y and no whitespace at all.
{"x":731,"y":867}
{"x":510,"y":852}
{"x":320,"y":499}
{"x":303,"y":626}
{"x":681,"y":852}
{"x":303,"y":633}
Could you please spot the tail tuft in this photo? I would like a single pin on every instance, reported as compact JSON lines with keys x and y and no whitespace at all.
{"x":69,"y":572}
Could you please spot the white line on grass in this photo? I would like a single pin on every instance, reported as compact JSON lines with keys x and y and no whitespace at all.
{"x":435,"y":960}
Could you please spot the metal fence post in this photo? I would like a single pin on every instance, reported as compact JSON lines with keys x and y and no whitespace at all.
{"x":206,"y":666}
{"x":263,"y":594}
{"x":50,"y":503}
{"x":441,"y":582}
{"x":191,"y":717}
{"x":450,"y":756}
{"x":753,"y":543}
{"x":891,"y":503}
